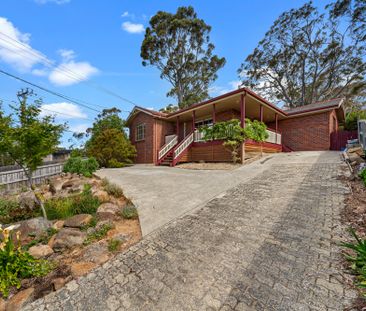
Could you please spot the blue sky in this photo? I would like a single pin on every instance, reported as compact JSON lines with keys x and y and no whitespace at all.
{"x":100,"y":41}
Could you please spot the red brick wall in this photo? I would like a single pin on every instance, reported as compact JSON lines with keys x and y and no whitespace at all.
{"x":162,"y":129}
{"x":227,"y":115}
{"x":145,"y":148}
{"x":306,"y":133}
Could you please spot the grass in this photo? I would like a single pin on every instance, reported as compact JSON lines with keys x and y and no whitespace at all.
{"x":97,"y":235}
{"x":43,"y":239}
{"x":129,"y":212}
{"x":358,"y":259}
{"x":62,"y":208}
{"x":114,"y":245}
{"x":112,"y":189}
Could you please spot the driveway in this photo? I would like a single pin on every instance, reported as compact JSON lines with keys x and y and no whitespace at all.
{"x":164,"y":193}
{"x":268,"y":243}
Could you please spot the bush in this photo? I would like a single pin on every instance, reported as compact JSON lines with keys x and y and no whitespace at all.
{"x":115,"y":164}
{"x":351,"y":119}
{"x":363,"y":176}
{"x":61,"y":208}
{"x":113,"y":190}
{"x":10,"y":212}
{"x":78,"y":165}
{"x":15,"y":264}
{"x":129,"y":212}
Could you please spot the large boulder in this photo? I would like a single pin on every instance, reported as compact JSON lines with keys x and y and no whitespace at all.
{"x":78,"y":221}
{"x":68,"y":238}
{"x":102,"y":196}
{"x":28,"y":201}
{"x":19,"y":300}
{"x":40,"y":251}
{"x":108,"y":211}
{"x":33,"y":227}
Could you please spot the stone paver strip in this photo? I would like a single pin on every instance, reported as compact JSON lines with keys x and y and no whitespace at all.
{"x":268,"y":244}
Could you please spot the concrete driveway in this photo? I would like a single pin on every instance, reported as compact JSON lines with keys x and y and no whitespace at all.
{"x":163,"y":194}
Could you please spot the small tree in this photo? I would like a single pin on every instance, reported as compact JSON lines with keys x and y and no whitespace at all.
{"x":108,"y":141}
{"x":234,"y":135}
{"x":27,"y":138}
{"x":352,"y":118}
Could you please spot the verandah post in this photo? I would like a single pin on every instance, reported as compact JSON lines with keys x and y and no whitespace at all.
{"x":276,"y":119}
{"x":193,"y":120}
{"x":242,"y":122}
{"x":213,"y":113}
{"x":261,"y":112}
{"x":177,"y":125}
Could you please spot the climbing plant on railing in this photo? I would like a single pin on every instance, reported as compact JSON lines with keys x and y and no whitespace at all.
{"x":234,"y":135}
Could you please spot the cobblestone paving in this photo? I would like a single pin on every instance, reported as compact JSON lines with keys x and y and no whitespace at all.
{"x":268,"y":244}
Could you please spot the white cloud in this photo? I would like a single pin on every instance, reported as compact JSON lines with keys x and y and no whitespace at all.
{"x":69,"y":71}
{"x":40,"y":72}
{"x":125,"y":14}
{"x":132,"y":27}
{"x":63,"y":110}
{"x":19,"y":55}
{"x":52,"y":1}
{"x":220,"y":90}
{"x":79,"y":128}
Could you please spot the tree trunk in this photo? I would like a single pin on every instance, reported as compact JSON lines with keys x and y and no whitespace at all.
{"x":29,"y":174}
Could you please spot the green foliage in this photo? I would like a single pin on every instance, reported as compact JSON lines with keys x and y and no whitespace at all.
{"x":352,"y":117}
{"x":179,"y":46}
{"x":363,"y":176}
{"x":234,"y":135}
{"x":358,"y":261}
{"x":91,"y":224}
{"x":169,"y":109}
{"x":26,"y":137}
{"x":113,"y":190}
{"x":111,"y":147}
{"x":78,"y":165}
{"x":15,"y":264}
{"x":97,"y":235}
{"x":43,"y":239}
{"x":304,"y":57}
{"x":62,"y":208}
{"x":129,"y":212}
{"x":114,"y":245}
{"x":10,"y":212}
{"x":108,"y":142}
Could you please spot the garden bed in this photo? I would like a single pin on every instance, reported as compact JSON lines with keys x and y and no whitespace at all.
{"x":90,"y":221}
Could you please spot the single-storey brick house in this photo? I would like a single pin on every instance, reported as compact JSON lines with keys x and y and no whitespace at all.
{"x":170,"y":138}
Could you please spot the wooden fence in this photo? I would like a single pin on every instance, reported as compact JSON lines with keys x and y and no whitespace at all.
{"x":14,"y":179}
{"x":338,"y":140}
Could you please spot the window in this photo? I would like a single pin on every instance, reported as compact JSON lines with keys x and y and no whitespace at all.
{"x":203,"y":123}
{"x":140,"y":132}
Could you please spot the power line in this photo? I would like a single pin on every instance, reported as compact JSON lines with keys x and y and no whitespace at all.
{"x":73,"y":75}
{"x":48,"y":91}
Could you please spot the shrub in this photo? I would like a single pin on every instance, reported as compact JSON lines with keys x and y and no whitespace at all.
{"x":97,"y":235}
{"x":129,"y":212}
{"x":10,"y":212}
{"x":115,"y":164}
{"x":114,"y":245}
{"x":351,"y":119}
{"x":83,"y":203}
{"x":15,"y":264}
{"x":363,"y":176}
{"x":81,"y":166}
{"x":358,"y":261}
{"x":113,"y":190}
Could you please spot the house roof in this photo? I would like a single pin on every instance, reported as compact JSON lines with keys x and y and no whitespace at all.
{"x":311,"y":108}
{"x":323,"y":105}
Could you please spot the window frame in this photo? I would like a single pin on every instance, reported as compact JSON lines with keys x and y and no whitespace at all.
{"x":140,"y":136}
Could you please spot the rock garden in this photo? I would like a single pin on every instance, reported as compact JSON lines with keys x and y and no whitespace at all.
{"x":88,"y":222}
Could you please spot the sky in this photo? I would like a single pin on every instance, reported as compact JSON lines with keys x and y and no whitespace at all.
{"x":90,"y":51}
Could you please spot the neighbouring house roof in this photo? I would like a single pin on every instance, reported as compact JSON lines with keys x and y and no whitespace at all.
{"x":307,"y":109}
{"x":323,"y":105}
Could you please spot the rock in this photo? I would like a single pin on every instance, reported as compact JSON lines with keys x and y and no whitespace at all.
{"x":90,"y":230}
{"x":51,"y":241}
{"x":2,"y":304}
{"x":58,"y":283}
{"x":58,"y":225}
{"x":96,"y":253}
{"x":34,"y":226}
{"x":81,"y":268}
{"x":103,"y":223}
{"x":108,"y":211}
{"x":20,"y":299}
{"x":68,"y":238}
{"x":40,"y":251}
{"x":67,"y":184}
{"x":27,"y":200}
{"x":78,"y":221}
{"x":102,"y":196}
